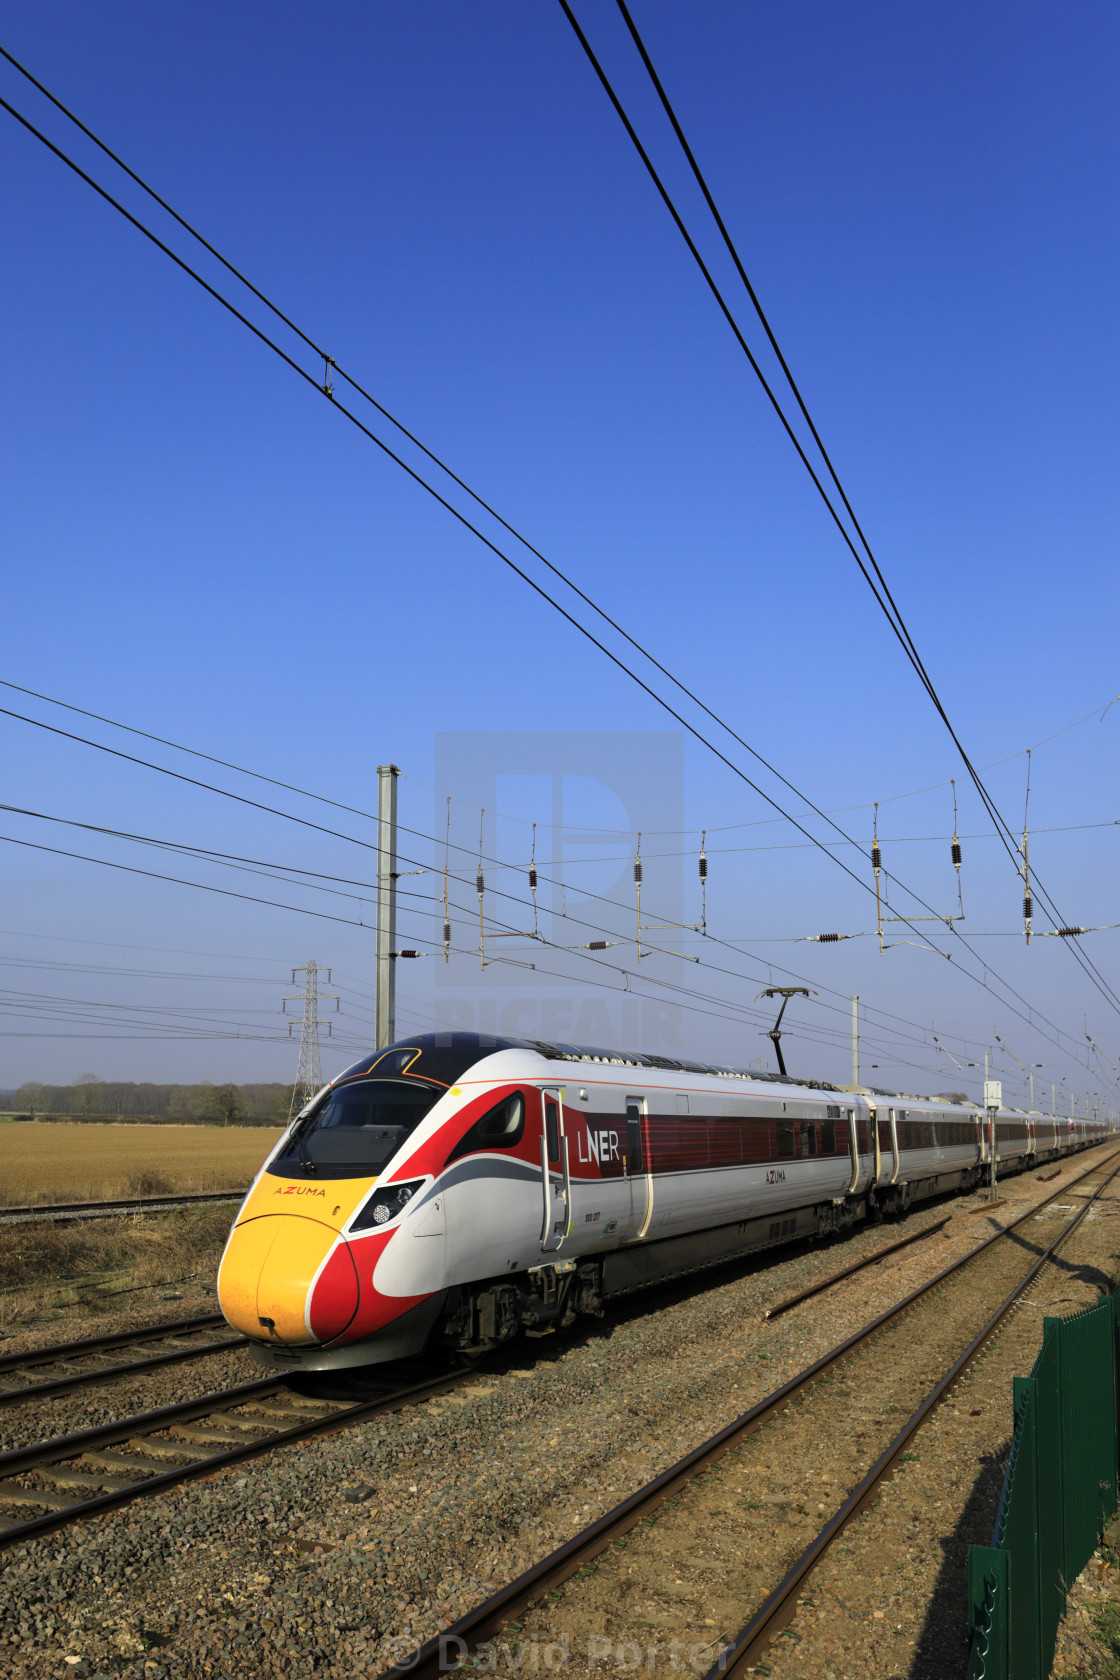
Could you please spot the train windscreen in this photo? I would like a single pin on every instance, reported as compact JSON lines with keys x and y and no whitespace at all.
{"x":357,"y":1129}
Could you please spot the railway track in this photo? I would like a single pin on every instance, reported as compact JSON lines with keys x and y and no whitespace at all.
{"x":74,"y":1477}
{"x":47,"y":1371}
{"x":108,"y":1210}
{"x":765,"y":1480}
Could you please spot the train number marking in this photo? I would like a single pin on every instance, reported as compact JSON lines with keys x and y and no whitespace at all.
{"x":590,"y":1218}
{"x":776,"y":1175}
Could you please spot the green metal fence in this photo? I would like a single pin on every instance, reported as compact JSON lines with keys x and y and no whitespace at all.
{"x":1059,"y":1491}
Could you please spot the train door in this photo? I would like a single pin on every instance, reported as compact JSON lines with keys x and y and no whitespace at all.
{"x":884,"y":1140}
{"x":892,"y":1140}
{"x":638,"y":1168}
{"x":556,"y":1183}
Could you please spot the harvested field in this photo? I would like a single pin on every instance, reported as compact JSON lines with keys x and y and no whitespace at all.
{"x":82,"y":1162}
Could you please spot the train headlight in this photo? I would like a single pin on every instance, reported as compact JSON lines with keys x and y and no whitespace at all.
{"x":385,"y":1204}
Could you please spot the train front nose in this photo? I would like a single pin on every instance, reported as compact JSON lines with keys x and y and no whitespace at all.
{"x":288,"y":1279}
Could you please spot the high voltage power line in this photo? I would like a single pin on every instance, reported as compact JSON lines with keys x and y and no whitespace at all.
{"x":876,"y":584}
{"x":720,"y":828}
{"x":327,"y":389}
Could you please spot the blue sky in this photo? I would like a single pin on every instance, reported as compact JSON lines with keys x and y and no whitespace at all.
{"x":197,"y":545}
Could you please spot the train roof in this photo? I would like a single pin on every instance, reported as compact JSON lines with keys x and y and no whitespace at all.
{"x":444,"y":1057}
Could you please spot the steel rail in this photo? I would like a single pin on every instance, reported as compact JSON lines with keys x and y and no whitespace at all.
{"x":59,"y":1447}
{"x":111,"y":1373}
{"x":115,"y":1338}
{"x":778,"y":1610}
{"x":437,"y":1656}
{"x":789,"y":1301}
{"x":128,"y":1204}
{"x":65,"y":1447}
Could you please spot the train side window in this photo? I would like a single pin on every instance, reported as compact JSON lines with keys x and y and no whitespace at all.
{"x":808,"y":1133}
{"x":634,"y":1138}
{"x":828,"y":1138}
{"x":785,"y":1140}
{"x":552,"y":1128}
{"x":501,"y":1127}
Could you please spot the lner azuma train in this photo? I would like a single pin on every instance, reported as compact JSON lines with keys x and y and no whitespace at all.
{"x":458,"y":1190}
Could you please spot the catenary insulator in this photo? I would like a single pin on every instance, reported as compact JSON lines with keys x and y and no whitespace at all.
{"x":447,"y":933}
{"x":637,"y":872}
{"x":827,"y":938}
{"x":957,"y":853}
{"x":599,"y":945}
{"x":480,"y":883}
{"x":1028,"y":908}
{"x":703,"y":869}
{"x":876,"y":858}
{"x":532,"y":877}
{"x":1071,"y":932}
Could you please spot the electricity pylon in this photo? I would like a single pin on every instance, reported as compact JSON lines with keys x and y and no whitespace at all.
{"x":309,"y":1075}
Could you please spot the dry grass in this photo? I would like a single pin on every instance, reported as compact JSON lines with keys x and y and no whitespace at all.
{"x":74,"y":1163}
{"x":98,"y":1265}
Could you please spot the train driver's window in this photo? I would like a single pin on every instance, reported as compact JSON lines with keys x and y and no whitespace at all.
{"x":785,"y":1140}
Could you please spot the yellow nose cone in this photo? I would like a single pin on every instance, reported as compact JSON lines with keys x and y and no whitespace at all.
{"x":266,"y":1275}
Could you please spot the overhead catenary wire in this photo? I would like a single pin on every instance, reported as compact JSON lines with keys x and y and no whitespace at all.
{"x":956,"y":854}
{"x":742,"y":1016}
{"x":367,"y":845}
{"x":1028,"y":904}
{"x":679,"y":991}
{"x":663,"y":985}
{"x":257,"y":804}
{"x":242,"y":956}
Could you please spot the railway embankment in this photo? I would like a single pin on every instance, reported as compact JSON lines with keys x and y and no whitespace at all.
{"x":330,"y":1558}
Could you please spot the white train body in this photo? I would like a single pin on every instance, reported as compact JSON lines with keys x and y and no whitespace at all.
{"x":459,"y":1190}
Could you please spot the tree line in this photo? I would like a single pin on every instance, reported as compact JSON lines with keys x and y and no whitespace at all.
{"x":90,"y":1098}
